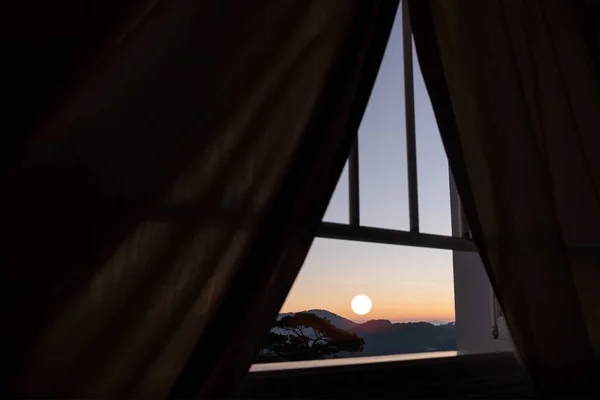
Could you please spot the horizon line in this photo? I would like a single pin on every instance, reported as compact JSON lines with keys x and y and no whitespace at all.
{"x":362,"y":318}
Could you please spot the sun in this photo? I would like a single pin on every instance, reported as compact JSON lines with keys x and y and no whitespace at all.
{"x":361,"y":304}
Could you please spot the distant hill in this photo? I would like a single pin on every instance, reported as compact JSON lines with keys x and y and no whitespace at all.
{"x":339,"y":321}
{"x":437,"y":322}
{"x":383,"y":337}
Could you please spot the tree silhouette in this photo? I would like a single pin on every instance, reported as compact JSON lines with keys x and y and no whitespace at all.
{"x":305,"y":336}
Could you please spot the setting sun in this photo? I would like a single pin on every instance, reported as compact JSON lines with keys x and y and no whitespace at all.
{"x":361,"y":304}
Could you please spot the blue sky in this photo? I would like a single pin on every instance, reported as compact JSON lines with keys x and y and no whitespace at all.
{"x":404,"y":283}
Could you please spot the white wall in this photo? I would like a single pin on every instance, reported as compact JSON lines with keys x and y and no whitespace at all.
{"x":473,"y":302}
{"x":473,"y":296}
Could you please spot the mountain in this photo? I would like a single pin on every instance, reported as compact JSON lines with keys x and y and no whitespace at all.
{"x":382,"y":337}
{"x":437,"y":322}
{"x":338,"y":321}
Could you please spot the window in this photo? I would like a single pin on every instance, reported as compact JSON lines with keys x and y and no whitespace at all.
{"x":410,"y":307}
{"x":393,"y":270}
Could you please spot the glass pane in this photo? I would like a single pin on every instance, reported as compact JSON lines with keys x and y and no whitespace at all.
{"x":382,"y":143}
{"x":410,"y":306}
{"x":337,"y":210}
{"x":432,"y":163}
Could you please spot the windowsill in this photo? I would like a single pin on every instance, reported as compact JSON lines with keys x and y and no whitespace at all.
{"x":336,"y":362}
{"x":426,"y":375}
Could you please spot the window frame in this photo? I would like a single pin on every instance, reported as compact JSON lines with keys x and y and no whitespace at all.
{"x":273,"y":383}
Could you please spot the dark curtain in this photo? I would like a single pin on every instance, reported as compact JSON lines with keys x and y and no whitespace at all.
{"x":515,"y":86}
{"x":165,"y":167}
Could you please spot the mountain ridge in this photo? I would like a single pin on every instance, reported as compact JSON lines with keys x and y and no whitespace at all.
{"x":383,"y":337}
{"x":346,"y":323}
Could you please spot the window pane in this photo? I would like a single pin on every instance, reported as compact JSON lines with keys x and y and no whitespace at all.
{"x":382,"y":150}
{"x":382,"y":143}
{"x":432,"y":163}
{"x":412,"y":303}
{"x":337,"y":211}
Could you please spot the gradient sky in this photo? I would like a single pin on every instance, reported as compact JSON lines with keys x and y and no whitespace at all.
{"x":404,"y":283}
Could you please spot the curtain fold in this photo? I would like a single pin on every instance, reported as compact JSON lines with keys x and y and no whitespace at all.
{"x":516,"y":92}
{"x":156,"y":214}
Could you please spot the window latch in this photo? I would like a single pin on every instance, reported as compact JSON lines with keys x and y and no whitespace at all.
{"x":494,"y":331}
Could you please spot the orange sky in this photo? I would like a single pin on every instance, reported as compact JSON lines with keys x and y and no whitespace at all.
{"x":404,"y":283}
